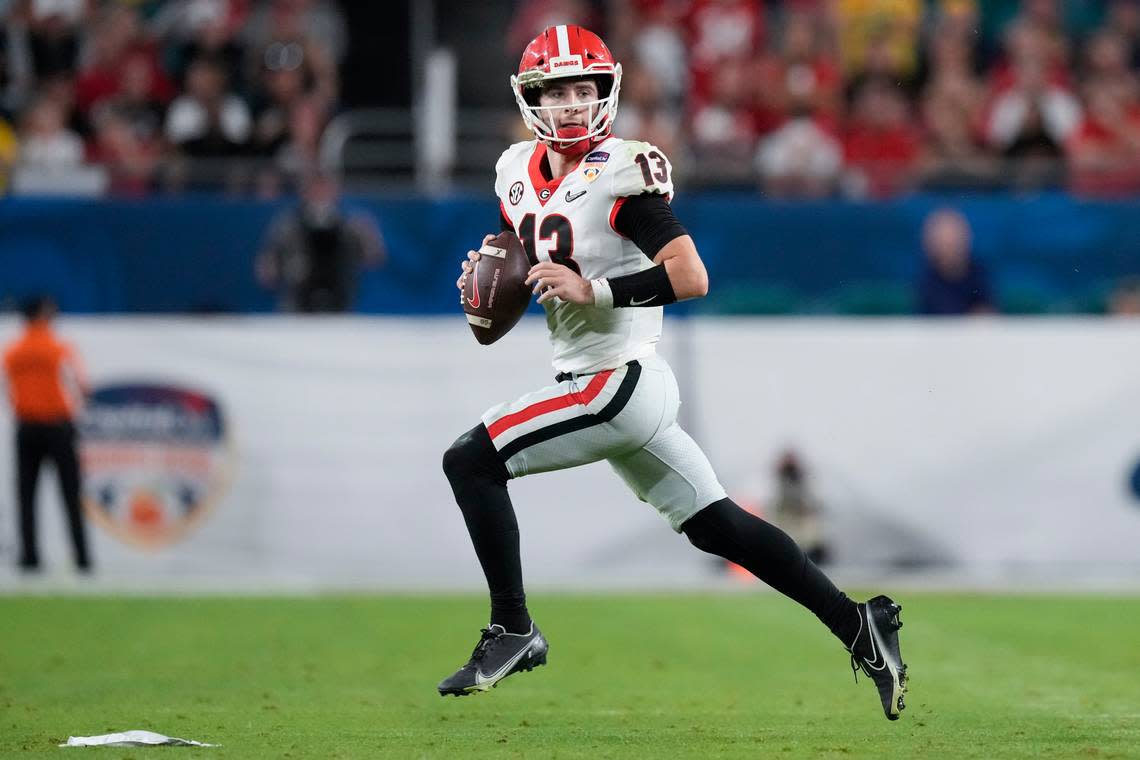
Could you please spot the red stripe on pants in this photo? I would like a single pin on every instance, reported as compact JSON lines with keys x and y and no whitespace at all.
{"x":546,"y":406}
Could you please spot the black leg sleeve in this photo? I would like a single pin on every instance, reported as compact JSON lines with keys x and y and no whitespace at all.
{"x":724,"y":529}
{"x":479,"y":481}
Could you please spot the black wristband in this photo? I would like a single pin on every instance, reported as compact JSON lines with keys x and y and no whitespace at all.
{"x":649,"y":287}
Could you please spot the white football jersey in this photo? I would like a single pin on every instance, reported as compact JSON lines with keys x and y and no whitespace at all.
{"x":570,"y":221}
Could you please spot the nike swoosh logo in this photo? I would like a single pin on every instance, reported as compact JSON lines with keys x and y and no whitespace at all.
{"x":878,"y":663}
{"x":474,"y":288}
{"x":481,"y":679}
{"x":574,"y":196}
{"x":635,"y":302}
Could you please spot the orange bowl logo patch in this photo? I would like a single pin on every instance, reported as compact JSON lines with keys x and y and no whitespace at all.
{"x":156,"y":458}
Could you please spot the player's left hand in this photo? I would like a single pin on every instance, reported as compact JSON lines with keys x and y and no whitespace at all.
{"x":552,"y":280}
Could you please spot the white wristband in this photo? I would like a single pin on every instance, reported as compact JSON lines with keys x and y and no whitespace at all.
{"x":603,"y":295}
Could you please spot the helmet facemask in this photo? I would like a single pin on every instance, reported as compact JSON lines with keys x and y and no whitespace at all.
{"x":599,"y":114}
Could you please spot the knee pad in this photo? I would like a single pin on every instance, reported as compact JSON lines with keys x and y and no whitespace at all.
{"x":473,"y":455}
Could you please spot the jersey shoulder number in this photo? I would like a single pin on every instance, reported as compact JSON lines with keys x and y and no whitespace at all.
{"x":640,"y":167}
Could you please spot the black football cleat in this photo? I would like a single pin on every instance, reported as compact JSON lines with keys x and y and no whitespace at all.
{"x":876,"y":651}
{"x":496,"y":656}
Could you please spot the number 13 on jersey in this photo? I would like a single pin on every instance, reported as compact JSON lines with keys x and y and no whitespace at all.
{"x":555,"y":229}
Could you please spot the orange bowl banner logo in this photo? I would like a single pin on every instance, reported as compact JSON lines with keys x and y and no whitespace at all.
{"x":156,"y":459}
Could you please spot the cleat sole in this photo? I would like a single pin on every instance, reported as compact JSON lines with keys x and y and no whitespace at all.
{"x":532,"y":664}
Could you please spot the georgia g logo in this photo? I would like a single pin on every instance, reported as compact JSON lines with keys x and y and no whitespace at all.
{"x":156,"y":459}
{"x":516,"y":193}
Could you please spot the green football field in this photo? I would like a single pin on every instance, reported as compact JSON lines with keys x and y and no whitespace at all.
{"x":648,"y":676}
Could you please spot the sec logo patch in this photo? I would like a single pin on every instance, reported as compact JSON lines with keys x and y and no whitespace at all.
{"x":516,"y":193}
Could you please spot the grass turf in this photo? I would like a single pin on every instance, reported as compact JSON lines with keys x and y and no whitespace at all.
{"x":646,"y":676}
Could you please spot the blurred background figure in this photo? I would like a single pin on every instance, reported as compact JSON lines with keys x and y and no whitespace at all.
{"x":952,"y":281}
{"x":797,"y":95}
{"x":9,"y":152}
{"x":209,"y":120}
{"x":1124,"y":301}
{"x":46,"y":142}
{"x":313,"y":253}
{"x":881,"y":146}
{"x":796,"y":509}
{"x":1033,"y":110}
{"x":46,"y":385}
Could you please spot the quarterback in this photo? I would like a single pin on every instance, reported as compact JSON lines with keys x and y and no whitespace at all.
{"x":592,"y":212}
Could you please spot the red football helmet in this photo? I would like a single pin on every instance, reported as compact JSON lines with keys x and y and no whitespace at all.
{"x":568,"y":52}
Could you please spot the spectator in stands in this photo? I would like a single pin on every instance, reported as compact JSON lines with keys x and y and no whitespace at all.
{"x":197,"y":28}
{"x":658,"y":43}
{"x":208,"y":121}
{"x":130,"y":158}
{"x":280,"y":89}
{"x":60,"y":90}
{"x":723,"y":35}
{"x":46,"y":144}
{"x":723,"y":130}
{"x":116,"y":38}
{"x":1104,"y":151}
{"x":951,"y":109}
{"x":646,"y":114}
{"x":801,"y":158}
{"x":53,"y":28}
{"x":313,"y":254}
{"x":881,"y":147}
{"x":1124,"y":301}
{"x":801,"y":76}
{"x":952,"y":281}
{"x":1107,"y":66}
{"x":292,"y":44}
{"x":1033,"y":111}
{"x":319,"y":22}
{"x":45,"y":387}
{"x":1123,"y":17}
{"x":880,"y":34}
{"x":297,"y":86}
{"x":136,"y":101}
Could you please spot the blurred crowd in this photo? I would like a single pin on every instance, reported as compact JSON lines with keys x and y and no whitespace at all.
{"x":803,"y":98}
{"x":138,"y":96}
{"x":872,"y":98}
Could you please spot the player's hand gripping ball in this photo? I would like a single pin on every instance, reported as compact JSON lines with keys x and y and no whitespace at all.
{"x":493,"y":288}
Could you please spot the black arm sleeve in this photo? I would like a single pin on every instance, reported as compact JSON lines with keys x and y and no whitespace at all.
{"x":505,"y":223}
{"x":648,"y":221}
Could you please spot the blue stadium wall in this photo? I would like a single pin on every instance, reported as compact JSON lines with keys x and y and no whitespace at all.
{"x":1045,"y":253}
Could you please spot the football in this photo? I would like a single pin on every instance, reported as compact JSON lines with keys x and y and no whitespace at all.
{"x":495,"y":294}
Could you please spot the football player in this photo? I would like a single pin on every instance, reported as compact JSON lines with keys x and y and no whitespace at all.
{"x":593,"y":213}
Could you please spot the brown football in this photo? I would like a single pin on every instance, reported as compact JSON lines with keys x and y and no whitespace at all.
{"x":496,"y":295}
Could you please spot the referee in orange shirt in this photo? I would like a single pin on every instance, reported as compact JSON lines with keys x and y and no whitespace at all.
{"x":38,"y":366}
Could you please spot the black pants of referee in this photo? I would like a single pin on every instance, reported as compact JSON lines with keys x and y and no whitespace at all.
{"x":55,"y":442}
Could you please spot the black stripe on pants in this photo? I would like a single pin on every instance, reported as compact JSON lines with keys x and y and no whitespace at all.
{"x":574,"y":424}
